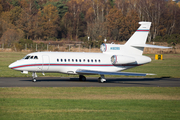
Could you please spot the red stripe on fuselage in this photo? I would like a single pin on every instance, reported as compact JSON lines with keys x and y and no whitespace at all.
{"x":31,"y":65}
{"x":142,"y":30}
{"x":96,"y":65}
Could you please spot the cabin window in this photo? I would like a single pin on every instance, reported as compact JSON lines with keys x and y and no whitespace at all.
{"x":57,"y":60}
{"x":68,"y":60}
{"x":64,"y":60}
{"x":88,"y":60}
{"x":61,"y":60}
{"x":91,"y":60}
{"x":84,"y":60}
{"x":35,"y":57}
{"x":79,"y":60}
{"x":76,"y":60}
{"x":99,"y":60}
{"x":95,"y":60}
{"x":72,"y":60}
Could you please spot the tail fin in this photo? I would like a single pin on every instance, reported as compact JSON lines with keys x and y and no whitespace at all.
{"x":135,"y":45}
{"x":141,"y":34}
{"x":138,"y":38}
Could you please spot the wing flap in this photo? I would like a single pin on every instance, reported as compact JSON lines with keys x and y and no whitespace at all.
{"x":93,"y":72}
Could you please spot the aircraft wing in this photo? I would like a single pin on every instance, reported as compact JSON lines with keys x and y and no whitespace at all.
{"x":94,"y":72}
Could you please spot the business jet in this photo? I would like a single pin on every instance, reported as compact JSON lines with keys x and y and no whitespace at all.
{"x":112,"y":61}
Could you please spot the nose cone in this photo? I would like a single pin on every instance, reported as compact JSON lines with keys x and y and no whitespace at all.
{"x":11,"y":65}
{"x":18,"y":65}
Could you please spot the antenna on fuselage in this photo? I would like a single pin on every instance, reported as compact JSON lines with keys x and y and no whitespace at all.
{"x":105,"y":40}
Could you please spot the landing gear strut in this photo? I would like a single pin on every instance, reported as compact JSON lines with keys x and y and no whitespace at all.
{"x":82,"y":78}
{"x":101,"y":79}
{"x":34,"y":75}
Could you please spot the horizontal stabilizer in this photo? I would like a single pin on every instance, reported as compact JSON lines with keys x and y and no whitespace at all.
{"x":150,"y":46}
{"x":93,"y":72}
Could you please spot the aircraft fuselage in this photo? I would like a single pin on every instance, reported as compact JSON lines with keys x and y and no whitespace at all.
{"x":69,"y":62}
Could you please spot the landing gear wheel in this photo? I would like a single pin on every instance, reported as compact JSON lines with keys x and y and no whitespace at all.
{"x":33,"y":80}
{"x":101,"y":79}
{"x":34,"y":75}
{"x":82,"y":78}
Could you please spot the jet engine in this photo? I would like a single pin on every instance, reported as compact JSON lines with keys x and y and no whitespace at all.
{"x":121,"y":59}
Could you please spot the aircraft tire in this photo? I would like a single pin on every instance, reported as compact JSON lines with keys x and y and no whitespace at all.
{"x":99,"y":79}
{"x":82,"y":78}
{"x":33,"y":80}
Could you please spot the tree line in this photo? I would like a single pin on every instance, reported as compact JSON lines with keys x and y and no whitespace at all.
{"x":79,"y":19}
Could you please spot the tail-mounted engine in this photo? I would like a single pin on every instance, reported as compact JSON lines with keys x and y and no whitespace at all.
{"x":121,"y":59}
{"x":117,"y":49}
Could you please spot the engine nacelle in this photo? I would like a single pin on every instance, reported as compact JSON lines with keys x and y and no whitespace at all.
{"x":121,"y":59}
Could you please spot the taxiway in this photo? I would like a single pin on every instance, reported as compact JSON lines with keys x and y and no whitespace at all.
{"x":91,"y":82}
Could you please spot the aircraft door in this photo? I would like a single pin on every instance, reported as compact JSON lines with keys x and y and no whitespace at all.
{"x":45,"y":63}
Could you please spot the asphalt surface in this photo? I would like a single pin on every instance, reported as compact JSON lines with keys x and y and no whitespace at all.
{"x":90,"y":82}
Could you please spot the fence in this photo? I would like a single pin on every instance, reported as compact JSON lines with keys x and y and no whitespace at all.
{"x":48,"y":47}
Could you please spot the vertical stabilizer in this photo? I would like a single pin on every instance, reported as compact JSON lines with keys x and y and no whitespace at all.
{"x":139,"y":37}
{"x":141,"y":34}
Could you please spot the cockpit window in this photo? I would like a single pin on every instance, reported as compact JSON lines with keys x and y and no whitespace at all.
{"x":32,"y":57}
{"x":26,"y":57}
{"x":35,"y":57}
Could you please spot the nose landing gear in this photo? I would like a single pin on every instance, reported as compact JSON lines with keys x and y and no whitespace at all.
{"x":34,"y":75}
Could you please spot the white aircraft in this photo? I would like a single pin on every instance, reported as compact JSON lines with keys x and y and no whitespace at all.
{"x":112,"y":61}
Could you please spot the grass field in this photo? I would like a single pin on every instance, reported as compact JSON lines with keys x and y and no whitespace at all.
{"x":92,"y":103}
{"x":169,"y":67}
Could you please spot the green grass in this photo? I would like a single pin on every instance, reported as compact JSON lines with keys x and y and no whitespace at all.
{"x":92,"y":103}
{"x":93,"y":93}
{"x":169,"y":67}
{"x":89,"y":109}
{"x":74,"y":103}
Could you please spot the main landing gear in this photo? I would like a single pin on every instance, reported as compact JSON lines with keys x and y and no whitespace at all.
{"x":101,"y":79}
{"x":34,"y":75}
{"x":82,"y":78}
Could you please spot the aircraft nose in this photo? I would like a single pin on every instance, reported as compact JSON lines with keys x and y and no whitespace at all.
{"x":11,"y":65}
